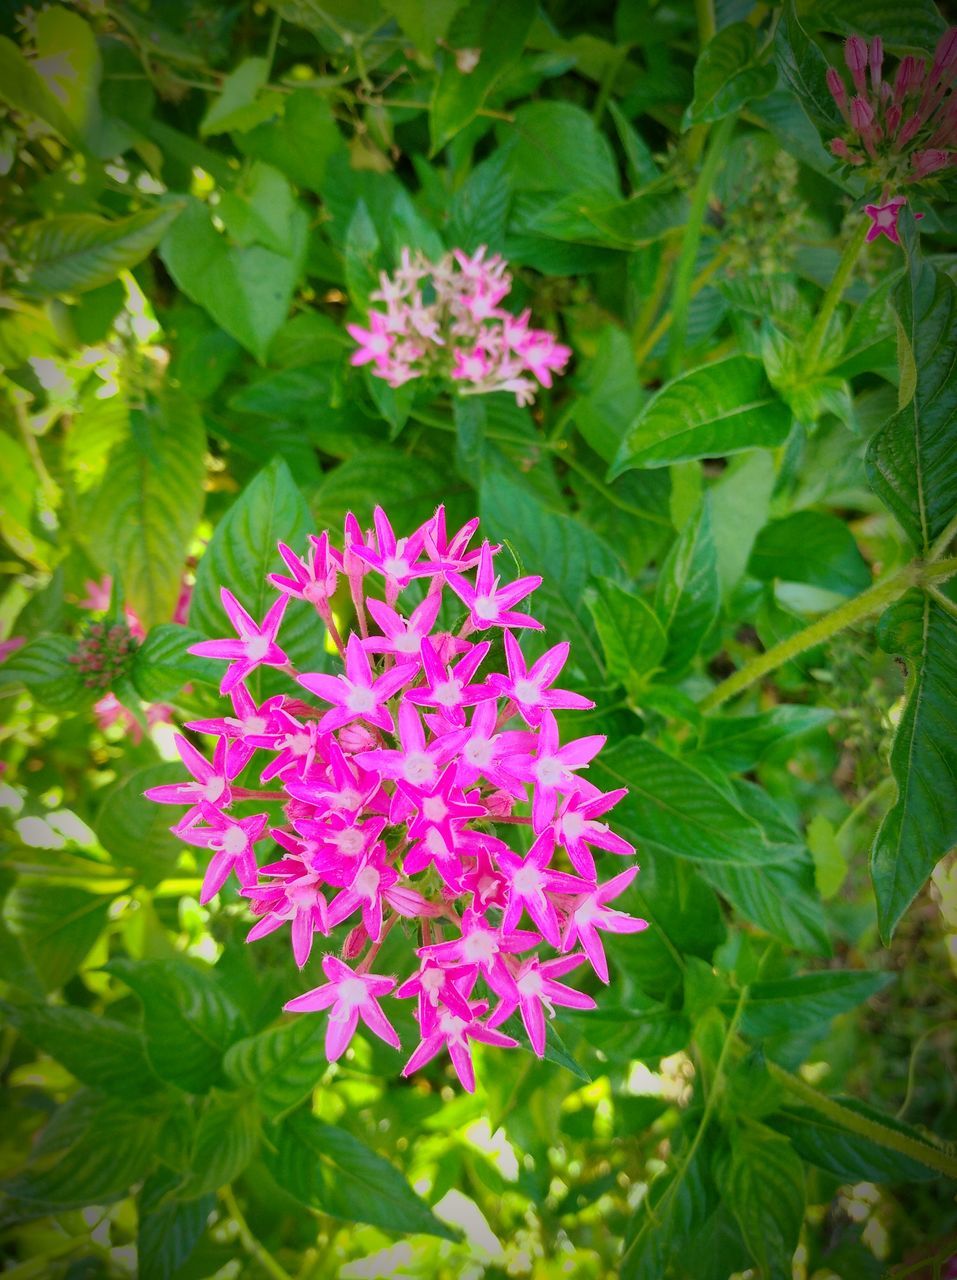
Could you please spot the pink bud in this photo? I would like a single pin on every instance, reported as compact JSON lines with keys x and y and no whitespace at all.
{"x":932,"y":161}
{"x":355,"y":942}
{"x":875,"y":59}
{"x":893,"y":120}
{"x":500,"y":804}
{"x":862,"y":114}
{"x":910,"y":75}
{"x":855,"y":55}
{"x":298,"y":809}
{"x":356,"y":737}
{"x":910,"y":130}
{"x":836,"y":86}
{"x":945,"y":55}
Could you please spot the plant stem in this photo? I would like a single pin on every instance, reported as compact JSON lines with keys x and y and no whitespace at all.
{"x":649,"y":343}
{"x":610,"y":496}
{"x":944,"y":541}
{"x":248,"y":1240}
{"x":707,"y":26}
{"x":862,"y":606}
{"x":684,"y":271}
{"x":917,"y":1149}
{"x":835,"y":292}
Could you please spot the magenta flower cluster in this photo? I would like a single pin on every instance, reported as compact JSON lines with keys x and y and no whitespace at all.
{"x":444,"y":320}
{"x":905,"y":127}
{"x":400,"y":782}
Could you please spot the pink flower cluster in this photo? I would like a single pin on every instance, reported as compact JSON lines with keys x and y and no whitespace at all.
{"x":443,"y":319}
{"x":397,"y":785}
{"x":905,"y":128}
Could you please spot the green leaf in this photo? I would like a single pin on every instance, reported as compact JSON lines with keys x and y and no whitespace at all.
{"x":808,"y":1001}
{"x":283,"y":1065}
{"x":558,"y":147}
{"x":135,"y":831}
{"x":168,"y":1229}
{"x":718,"y":409}
{"x":673,"y":809}
{"x":260,"y":209}
{"x":740,"y":504}
{"x":328,"y":1169}
{"x":921,"y":826}
{"x":738,"y":743}
{"x":248,"y":290}
{"x":362,"y":254}
{"x":243,"y":550}
{"x":224,"y":1142}
{"x":188,"y":1020}
{"x":830,"y":862}
{"x":44,"y":667}
{"x":241,"y":104}
{"x":803,"y":67}
{"x":99,"y":1051}
{"x":162,"y":663}
{"x":611,"y":393}
{"x":763,"y":1183}
{"x":424,"y":24}
{"x":24,"y":89}
{"x":147,"y":506}
{"x":80,"y":251}
{"x":496,"y":30}
{"x":781,"y":900}
{"x":57,"y":925}
{"x":849,"y":1156}
{"x":67,"y":47}
{"x":91,"y":1152}
{"x":813,"y":547}
{"x":631,"y":636}
{"x":726,"y":77}
{"x":687,"y":593}
{"x":300,"y":141}
{"x":910,"y":461}
{"x":478,"y":211}
{"x":914,"y":29}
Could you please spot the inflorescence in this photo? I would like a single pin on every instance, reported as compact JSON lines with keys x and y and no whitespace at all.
{"x":399,"y":780}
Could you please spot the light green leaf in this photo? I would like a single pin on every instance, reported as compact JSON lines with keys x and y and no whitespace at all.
{"x":718,"y":409}
{"x":241,"y":105}
{"x":922,"y":824}
{"x":260,"y":210}
{"x":738,"y":743}
{"x":145,"y":511}
{"x":300,"y":141}
{"x":135,"y":831}
{"x":812,"y":547}
{"x":24,"y":89}
{"x":478,"y":211}
{"x":70,"y":60}
{"x":80,"y":251}
{"x":631,"y":635}
{"x":283,"y":1065}
{"x":162,"y":663}
{"x":781,"y":900}
{"x":248,"y":290}
{"x":188,"y":1019}
{"x":44,"y":667}
{"x":740,"y":503}
{"x":687,"y":594}
{"x":495,"y":32}
{"x":57,"y":924}
{"x":424,"y":24}
{"x":830,"y":863}
{"x":168,"y":1229}
{"x":362,"y":254}
{"x":328,"y":1169}
{"x":673,"y":809}
{"x":764,"y":1185}
{"x":726,"y":76}
{"x":850,"y":1157}
{"x":611,"y":393}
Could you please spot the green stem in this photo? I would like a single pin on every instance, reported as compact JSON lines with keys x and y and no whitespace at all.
{"x":707,"y":26}
{"x":917,"y":1149}
{"x":273,"y":42}
{"x":944,"y":541}
{"x":248,"y":1240}
{"x":912,"y":1065}
{"x":835,"y":292}
{"x":862,"y":606}
{"x":684,"y":271}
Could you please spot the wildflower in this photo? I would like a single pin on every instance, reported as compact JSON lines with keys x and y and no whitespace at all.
{"x":398,"y":780}
{"x":445,"y":320}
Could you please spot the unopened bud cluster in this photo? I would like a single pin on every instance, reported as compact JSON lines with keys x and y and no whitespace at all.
{"x":904,"y":128}
{"x":104,"y":654}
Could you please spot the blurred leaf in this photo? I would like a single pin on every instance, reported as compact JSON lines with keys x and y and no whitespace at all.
{"x":781,"y":900}
{"x":921,"y":827}
{"x":687,"y":593}
{"x":830,"y":863}
{"x":80,"y":251}
{"x":67,"y":48}
{"x":188,"y":1020}
{"x":261,"y":210}
{"x":328,"y":1169}
{"x":825,"y":1143}
{"x":813,"y":547}
{"x":424,"y":24}
{"x":224,"y":1142}
{"x":300,"y":141}
{"x":162,"y":665}
{"x":44,"y":667}
{"x":674,"y":810}
{"x":763,"y":1183}
{"x":740,"y":503}
{"x":241,"y":105}
{"x":558,"y":147}
{"x":57,"y":925}
{"x":362,"y":253}
{"x":738,"y":743}
{"x":631,"y":636}
{"x":808,"y":1000}
{"x":915,"y":29}
{"x":134,"y":830}
{"x":146,"y":509}
{"x":478,"y":211}
{"x":168,"y":1229}
{"x":804,"y":69}
{"x":726,"y":76}
{"x":611,"y":393}
{"x":495,"y":31}
{"x":720,"y":408}
{"x":283,"y":1065}
{"x":24,"y":89}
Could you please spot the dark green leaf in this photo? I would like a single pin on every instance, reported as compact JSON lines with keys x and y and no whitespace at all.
{"x":559,"y":148}
{"x":135,"y":831}
{"x":726,"y":77}
{"x":809,"y":1000}
{"x":24,"y":89}
{"x":168,"y":1229}
{"x":687,"y":593}
{"x":813,"y":547}
{"x":849,"y":1156}
{"x":631,"y":636}
{"x":763,"y":1183}
{"x":57,"y":925}
{"x":738,"y":743}
{"x":804,"y":68}
{"x":283,"y":1065}
{"x":300,"y":141}
{"x":44,"y":667}
{"x":224,"y":1142}
{"x":162,"y":665}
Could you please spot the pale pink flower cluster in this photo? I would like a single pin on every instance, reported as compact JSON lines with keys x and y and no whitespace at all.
{"x":905,"y":128}
{"x":397,"y":789}
{"x":444,"y":320}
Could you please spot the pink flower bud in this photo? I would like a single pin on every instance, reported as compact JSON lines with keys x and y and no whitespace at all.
{"x":945,"y":55}
{"x":893,"y":120}
{"x":875,"y":60}
{"x":356,"y":737}
{"x":910,"y":75}
{"x":355,"y":943}
{"x":862,"y":115}
{"x":838,"y":90}
{"x":500,"y":804}
{"x":855,"y":55}
{"x":932,"y":161}
{"x":909,"y":131}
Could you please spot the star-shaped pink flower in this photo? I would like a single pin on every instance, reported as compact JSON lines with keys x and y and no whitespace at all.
{"x":255,"y":647}
{"x":349,"y":996}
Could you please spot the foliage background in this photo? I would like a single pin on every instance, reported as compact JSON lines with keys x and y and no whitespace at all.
{"x":195,"y":198}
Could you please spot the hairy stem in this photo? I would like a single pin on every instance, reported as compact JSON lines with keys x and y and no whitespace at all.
{"x":835,"y":292}
{"x":917,"y":1149}
{"x":248,"y":1240}
{"x":684,"y":271}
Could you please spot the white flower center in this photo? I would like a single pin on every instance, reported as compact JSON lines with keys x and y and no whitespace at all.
{"x":213,"y":789}
{"x":352,"y":992}
{"x":526,"y":880}
{"x":433,"y":980}
{"x":255,"y":724}
{"x":548,"y":771}
{"x":527,"y":692}
{"x":436,"y":845}
{"x":573,"y":824}
{"x":451,"y":1027}
{"x":367,"y":883}
{"x":478,"y":752}
{"x":234,"y":841}
{"x":256,"y":648}
{"x":360,"y":699}
{"x":434,"y":809}
{"x":408,"y":643}
{"x":315,"y":592}
{"x":530,"y":983}
{"x":418,"y":767}
{"x":396,"y":566}
{"x":349,"y":841}
{"x":485,"y":607}
{"x":480,"y":946}
{"x":447,"y":693}
{"x":298,"y":743}
{"x":348,"y":799}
